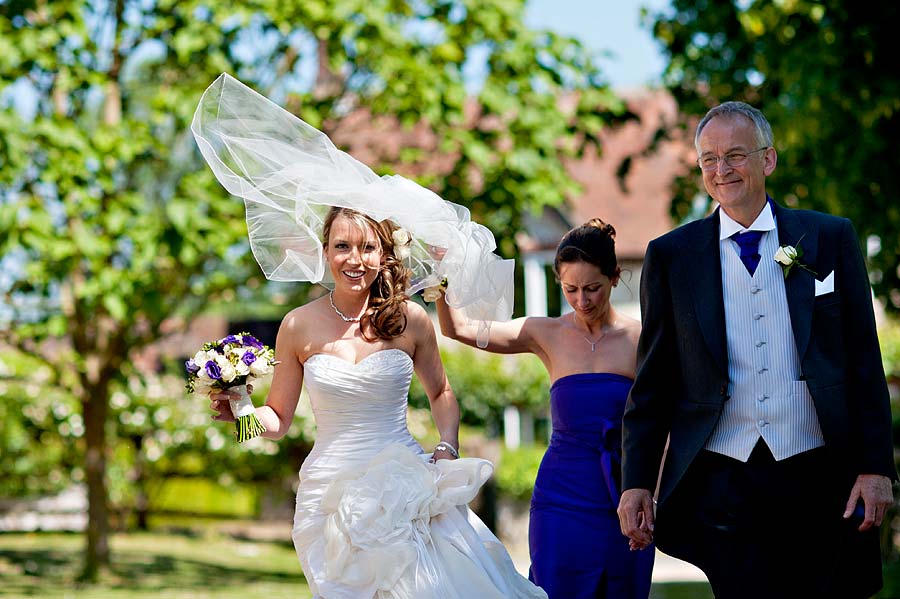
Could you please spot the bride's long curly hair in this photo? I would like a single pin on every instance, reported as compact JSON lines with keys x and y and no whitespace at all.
{"x":385,"y":312}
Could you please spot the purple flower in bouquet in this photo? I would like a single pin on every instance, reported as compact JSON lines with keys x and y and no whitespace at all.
{"x":251,"y":341}
{"x":213,"y":370}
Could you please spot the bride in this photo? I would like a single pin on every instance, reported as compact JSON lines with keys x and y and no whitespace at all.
{"x":373,"y":518}
{"x":376,"y":516}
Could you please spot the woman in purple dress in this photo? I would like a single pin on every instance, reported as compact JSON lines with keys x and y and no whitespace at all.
{"x":577,"y":547}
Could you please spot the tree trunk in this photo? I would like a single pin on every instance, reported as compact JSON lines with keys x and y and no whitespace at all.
{"x":96,"y":406}
{"x":139,"y":478}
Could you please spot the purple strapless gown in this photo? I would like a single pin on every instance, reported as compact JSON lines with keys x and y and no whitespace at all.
{"x":577,"y":548}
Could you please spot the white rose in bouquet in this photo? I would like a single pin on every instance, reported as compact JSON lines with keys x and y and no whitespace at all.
{"x":229,"y":373}
{"x":242,"y":368}
{"x":204,"y":383}
{"x":201,"y":358}
{"x":260,"y":367}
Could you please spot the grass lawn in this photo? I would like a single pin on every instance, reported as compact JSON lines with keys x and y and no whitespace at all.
{"x":202,"y":564}
{"x":681,"y":590}
{"x":151,"y":565}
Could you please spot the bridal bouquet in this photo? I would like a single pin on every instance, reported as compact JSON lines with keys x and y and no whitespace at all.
{"x":231,"y":363}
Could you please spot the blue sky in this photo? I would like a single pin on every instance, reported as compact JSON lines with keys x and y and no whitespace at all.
{"x":611,"y":26}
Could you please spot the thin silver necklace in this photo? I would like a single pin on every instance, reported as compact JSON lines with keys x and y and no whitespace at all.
{"x":338,"y":312}
{"x":597,"y":340}
{"x":594,"y":343}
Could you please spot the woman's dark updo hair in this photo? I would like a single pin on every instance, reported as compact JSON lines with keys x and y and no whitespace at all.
{"x":387,"y":295}
{"x":593,"y":242}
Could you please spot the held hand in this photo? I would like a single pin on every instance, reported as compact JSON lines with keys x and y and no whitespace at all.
{"x":218,"y":402}
{"x":876,"y":495}
{"x":636,"y":517}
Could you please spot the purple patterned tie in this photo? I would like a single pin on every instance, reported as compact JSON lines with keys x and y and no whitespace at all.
{"x":749,"y":244}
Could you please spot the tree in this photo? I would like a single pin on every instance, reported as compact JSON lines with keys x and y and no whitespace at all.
{"x":825,"y":74}
{"x":110,"y":223}
{"x":111,"y":226}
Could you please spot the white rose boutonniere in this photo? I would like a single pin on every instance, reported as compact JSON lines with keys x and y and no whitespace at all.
{"x":402,"y":240}
{"x":788,"y":256}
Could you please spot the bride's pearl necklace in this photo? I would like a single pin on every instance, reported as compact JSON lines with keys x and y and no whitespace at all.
{"x":338,"y":312}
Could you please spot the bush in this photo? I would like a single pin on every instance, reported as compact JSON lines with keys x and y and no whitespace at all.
{"x":517,"y":470}
{"x":40,"y":425}
{"x":485,"y":383}
{"x":203,"y":496}
{"x":889,"y":339}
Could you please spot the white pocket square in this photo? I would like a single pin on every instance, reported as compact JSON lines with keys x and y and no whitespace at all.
{"x":826,"y":285}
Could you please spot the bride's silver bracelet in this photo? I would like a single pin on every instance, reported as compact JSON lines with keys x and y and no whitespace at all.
{"x":444,"y":446}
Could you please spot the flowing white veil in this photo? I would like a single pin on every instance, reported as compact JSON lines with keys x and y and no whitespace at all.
{"x":289,"y":174}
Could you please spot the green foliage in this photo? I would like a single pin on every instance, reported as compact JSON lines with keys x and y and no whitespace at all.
{"x":486,"y":383}
{"x":40,"y":426}
{"x":889,"y":339}
{"x":203,"y":496}
{"x":517,"y":471}
{"x":823,"y":74}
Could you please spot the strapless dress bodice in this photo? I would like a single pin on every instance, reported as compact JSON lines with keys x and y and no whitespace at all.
{"x":359,"y":409}
{"x":588,"y":401}
{"x":367,"y":398}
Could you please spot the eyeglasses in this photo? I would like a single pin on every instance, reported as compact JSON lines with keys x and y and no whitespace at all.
{"x":710,"y":162}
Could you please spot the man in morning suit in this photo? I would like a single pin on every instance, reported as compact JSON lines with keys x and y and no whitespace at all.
{"x":759,"y":389}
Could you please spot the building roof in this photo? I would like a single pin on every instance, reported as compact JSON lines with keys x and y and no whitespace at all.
{"x":636,"y":204}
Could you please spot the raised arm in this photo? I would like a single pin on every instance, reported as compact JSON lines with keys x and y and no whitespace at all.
{"x":514,"y":337}
{"x":430,"y":370}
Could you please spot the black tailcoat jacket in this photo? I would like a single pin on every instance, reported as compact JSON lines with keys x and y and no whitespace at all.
{"x":681,"y":383}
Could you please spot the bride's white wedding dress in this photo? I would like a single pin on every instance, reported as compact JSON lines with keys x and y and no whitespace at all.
{"x":375,"y":519}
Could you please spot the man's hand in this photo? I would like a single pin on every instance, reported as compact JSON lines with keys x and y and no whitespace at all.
{"x":877,"y":496}
{"x":636,"y":517}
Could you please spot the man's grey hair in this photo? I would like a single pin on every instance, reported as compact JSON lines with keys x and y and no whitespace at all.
{"x":730,"y":109}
